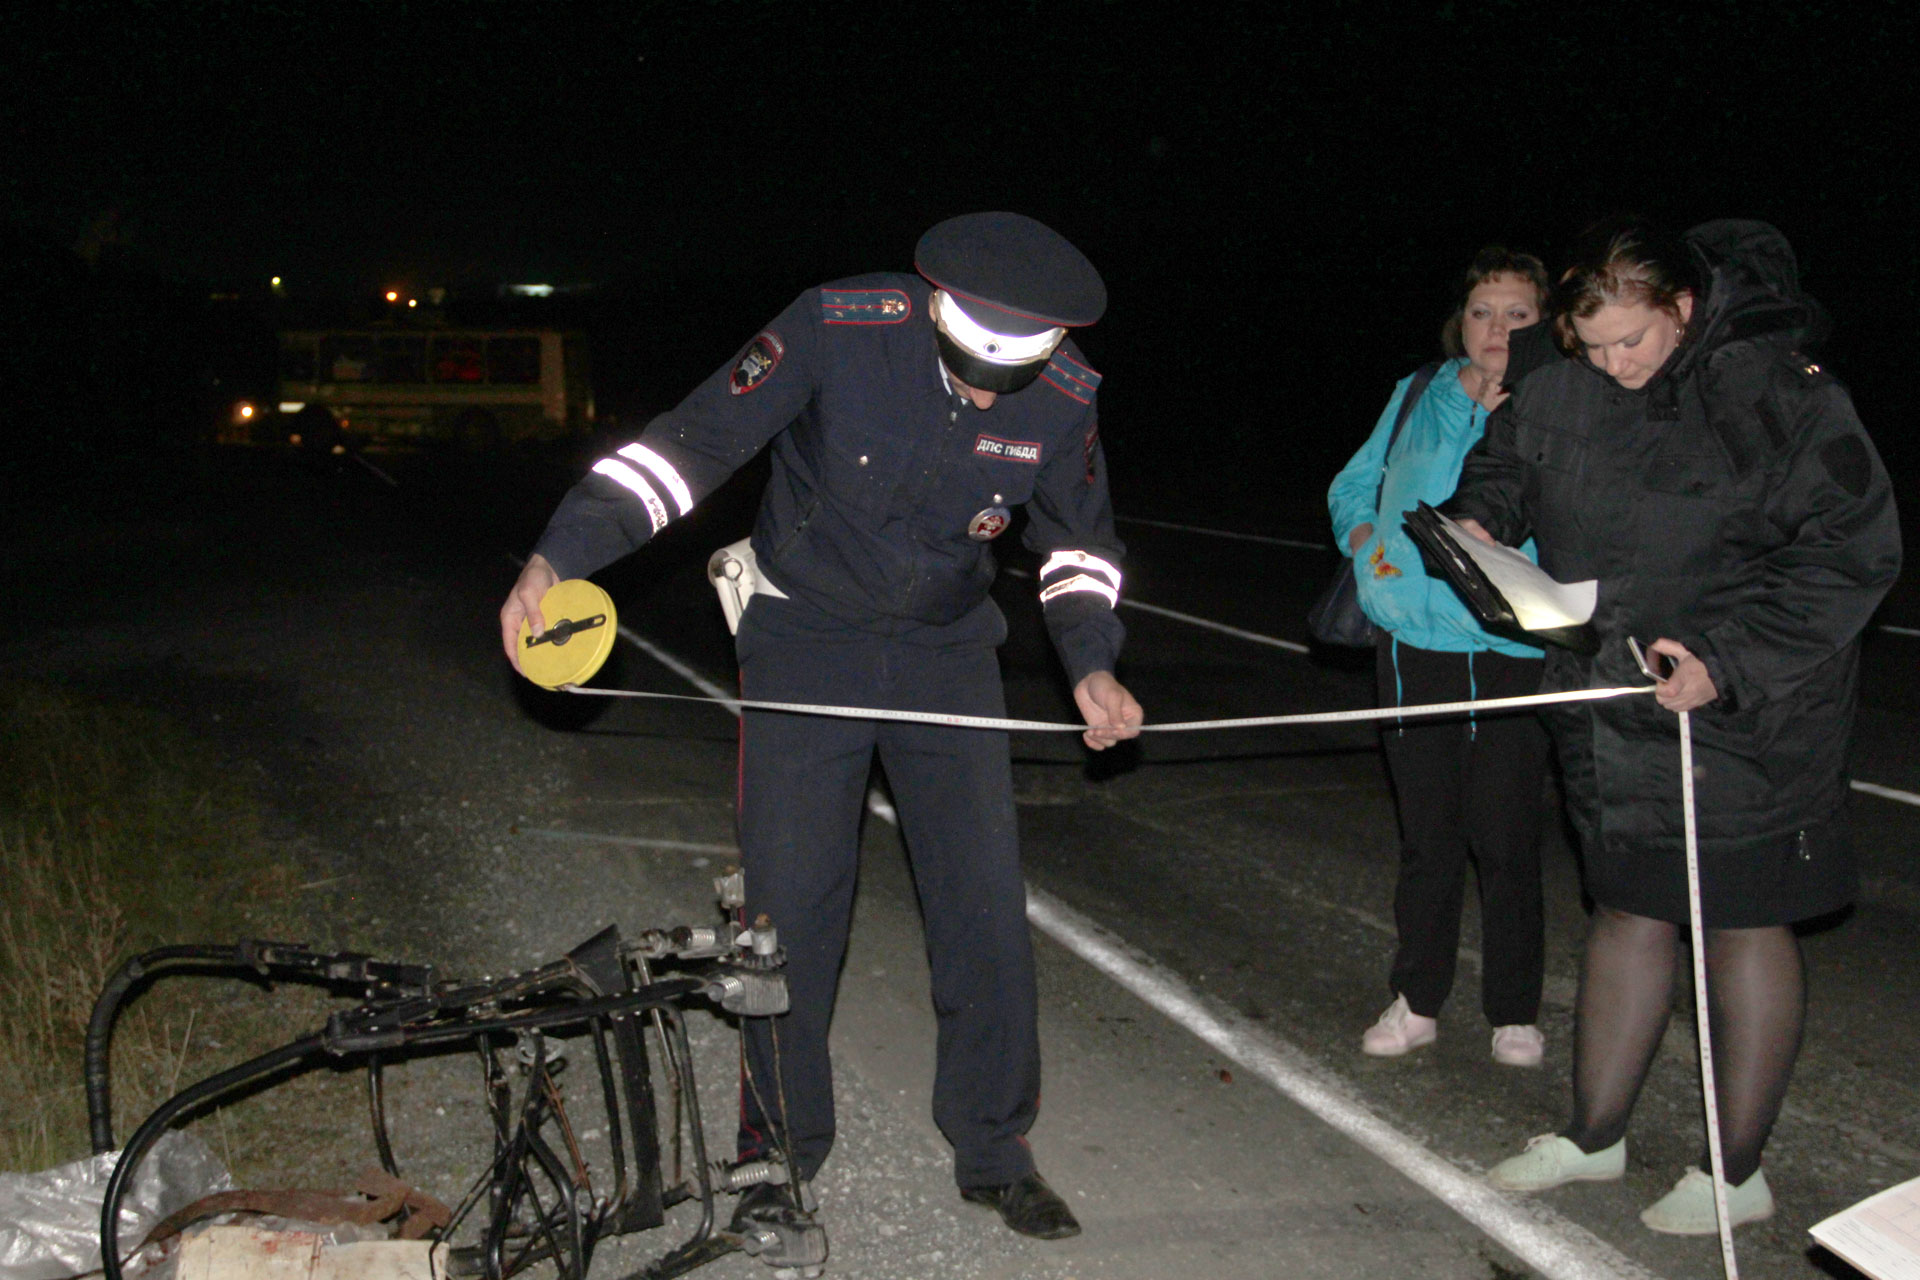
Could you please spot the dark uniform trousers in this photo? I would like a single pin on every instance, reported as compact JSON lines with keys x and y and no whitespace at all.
{"x":803,"y":787}
{"x":1467,"y":788}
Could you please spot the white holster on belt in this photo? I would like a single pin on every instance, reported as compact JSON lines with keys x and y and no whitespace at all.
{"x":736,"y":577}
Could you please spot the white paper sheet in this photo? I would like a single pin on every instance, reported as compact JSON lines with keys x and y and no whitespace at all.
{"x":1880,"y":1235}
{"x":1539,"y":603}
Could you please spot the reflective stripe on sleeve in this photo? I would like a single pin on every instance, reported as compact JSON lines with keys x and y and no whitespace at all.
{"x":1081,"y":560}
{"x":664,"y":472}
{"x":624,"y":475}
{"x":1081,"y":582}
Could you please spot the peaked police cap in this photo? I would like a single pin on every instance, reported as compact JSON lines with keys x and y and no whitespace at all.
{"x":1013,"y":275}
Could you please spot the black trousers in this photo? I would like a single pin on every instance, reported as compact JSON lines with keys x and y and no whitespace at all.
{"x":1468,"y":789}
{"x":803,"y":787}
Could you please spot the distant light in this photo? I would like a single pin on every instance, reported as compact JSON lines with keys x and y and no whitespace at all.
{"x":392,"y":296}
{"x":531,"y":290}
{"x":275,"y":282}
{"x":246,"y":411}
{"x":292,"y":406}
{"x":413,"y":302}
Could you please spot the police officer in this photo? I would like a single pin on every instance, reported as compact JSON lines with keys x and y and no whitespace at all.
{"x":907,"y":416}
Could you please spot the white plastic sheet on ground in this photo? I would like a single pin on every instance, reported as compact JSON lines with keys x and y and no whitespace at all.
{"x":50,"y":1221}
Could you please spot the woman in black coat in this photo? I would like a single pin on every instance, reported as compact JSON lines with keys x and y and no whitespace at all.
{"x":1719,"y":486}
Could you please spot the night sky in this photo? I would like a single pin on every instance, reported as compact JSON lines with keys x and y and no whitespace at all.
{"x":1281,"y":197}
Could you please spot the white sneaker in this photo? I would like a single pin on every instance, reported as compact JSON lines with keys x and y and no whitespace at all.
{"x":1518,"y":1045}
{"x":1551,"y":1161}
{"x":1688,"y":1209}
{"x":1398,"y":1030}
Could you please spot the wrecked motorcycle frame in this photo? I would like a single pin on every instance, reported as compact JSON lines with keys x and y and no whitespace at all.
{"x":537,"y":1200}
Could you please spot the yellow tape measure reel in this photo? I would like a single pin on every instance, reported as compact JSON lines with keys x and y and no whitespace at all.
{"x":580,"y":630}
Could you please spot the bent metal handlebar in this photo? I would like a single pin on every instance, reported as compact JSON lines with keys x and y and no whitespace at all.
{"x":596,"y":989}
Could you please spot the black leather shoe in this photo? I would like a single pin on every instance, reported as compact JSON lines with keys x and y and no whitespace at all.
{"x":1029,"y":1206}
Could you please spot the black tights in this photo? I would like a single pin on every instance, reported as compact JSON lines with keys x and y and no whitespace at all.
{"x":1757,"y":1002}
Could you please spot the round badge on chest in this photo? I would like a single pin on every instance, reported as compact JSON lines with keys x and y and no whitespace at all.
{"x":989,"y":524}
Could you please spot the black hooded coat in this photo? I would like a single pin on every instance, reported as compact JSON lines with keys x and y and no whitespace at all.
{"x":1736,"y":505}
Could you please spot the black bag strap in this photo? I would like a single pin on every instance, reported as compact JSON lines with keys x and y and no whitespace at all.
{"x":1415,"y":389}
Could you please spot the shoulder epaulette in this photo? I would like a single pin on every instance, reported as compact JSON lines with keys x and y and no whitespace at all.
{"x":1070,"y":378}
{"x":864,"y":306}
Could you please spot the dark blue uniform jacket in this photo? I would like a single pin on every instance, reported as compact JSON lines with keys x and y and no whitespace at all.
{"x":879,"y":470}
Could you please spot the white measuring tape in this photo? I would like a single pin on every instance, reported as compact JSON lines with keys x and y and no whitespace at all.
{"x":1697,"y":929}
{"x":1184,"y":726}
{"x":1694,"y":918}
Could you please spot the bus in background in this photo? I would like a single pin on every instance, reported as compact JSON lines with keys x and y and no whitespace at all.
{"x":477,"y":388}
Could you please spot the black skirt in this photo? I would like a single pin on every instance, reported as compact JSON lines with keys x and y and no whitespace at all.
{"x":1778,"y":880}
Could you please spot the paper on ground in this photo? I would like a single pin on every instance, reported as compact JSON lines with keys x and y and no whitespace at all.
{"x":1539,"y":603}
{"x":1880,"y":1235}
{"x":246,"y":1253}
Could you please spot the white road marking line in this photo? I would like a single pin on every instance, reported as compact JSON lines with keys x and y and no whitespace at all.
{"x":1558,"y":1248}
{"x":1224,"y":533}
{"x":638,"y":842}
{"x":354,"y":454}
{"x":674,"y":665}
{"x":876,"y":803}
{"x":1125,"y":603}
{"x":1545,"y":1240}
{"x":1886,"y":793}
{"x":1900,"y":631}
{"x":1289,"y":645}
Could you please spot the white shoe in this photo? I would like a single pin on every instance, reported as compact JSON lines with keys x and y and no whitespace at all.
{"x":1551,"y":1161}
{"x":1688,"y":1209}
{"x":1398,"y":1030}
{"x":1518,"y":1045}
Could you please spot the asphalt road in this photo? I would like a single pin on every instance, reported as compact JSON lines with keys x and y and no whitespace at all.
{"x":335,"y":634}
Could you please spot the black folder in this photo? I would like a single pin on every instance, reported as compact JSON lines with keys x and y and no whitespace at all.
{"x":1448,"y":556}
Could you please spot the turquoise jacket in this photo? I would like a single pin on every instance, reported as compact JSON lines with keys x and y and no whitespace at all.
{"x":1395,"y":591}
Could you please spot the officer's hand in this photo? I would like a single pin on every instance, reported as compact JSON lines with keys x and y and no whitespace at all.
{"x":1688,"y":685}
{"x":1475,"y":529}
{"x":523,"y":603}
{"x":1109,"y":710}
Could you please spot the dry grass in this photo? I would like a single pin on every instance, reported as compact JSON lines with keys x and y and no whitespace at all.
{"x":119,"y":833}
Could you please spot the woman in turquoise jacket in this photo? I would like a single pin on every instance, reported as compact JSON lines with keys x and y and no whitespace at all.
{"x":1467,"y":787}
